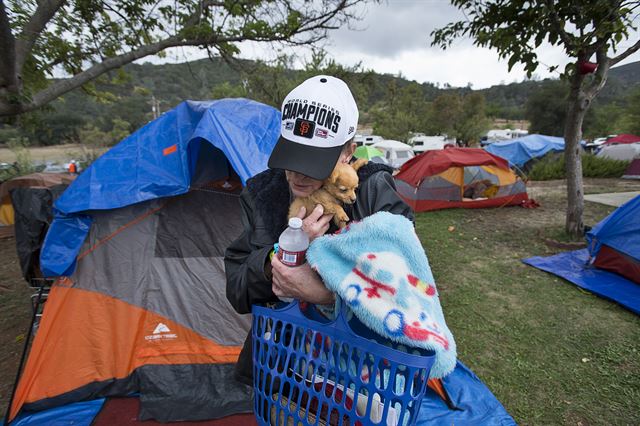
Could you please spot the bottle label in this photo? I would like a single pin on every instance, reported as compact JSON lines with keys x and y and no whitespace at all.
{"x":291,"y":258}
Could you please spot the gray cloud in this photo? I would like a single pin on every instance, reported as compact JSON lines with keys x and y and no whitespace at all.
{"x":390,"y":28}
{"x":394,"y":37}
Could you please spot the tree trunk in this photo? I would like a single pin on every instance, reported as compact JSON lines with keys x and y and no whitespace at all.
{"x":9,"y":84}
{"x":578,"y":105}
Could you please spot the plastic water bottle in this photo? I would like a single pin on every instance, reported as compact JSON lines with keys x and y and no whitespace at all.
{"x":293,"y":244}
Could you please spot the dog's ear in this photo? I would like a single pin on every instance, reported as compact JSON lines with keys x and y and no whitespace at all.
{"x":333,"y":177}
{"x":359,"y":163}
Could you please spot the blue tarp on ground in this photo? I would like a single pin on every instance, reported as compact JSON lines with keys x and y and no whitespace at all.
{"x":620,"y":230}
{"x":159,"y":160}
{"x":519,"y":151}
{"x":76,"y":414}
{"x":476,"y":406}
{"x":573,"y":266}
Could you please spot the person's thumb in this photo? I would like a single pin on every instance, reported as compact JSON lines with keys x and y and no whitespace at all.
{"x":302,"y":212}
{"x":317,"y":212}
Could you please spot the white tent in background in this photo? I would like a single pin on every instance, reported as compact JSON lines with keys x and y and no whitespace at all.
{"x":626,"y":152}
{"x":395,"y":152}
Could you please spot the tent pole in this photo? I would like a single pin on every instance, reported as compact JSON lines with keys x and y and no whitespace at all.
{"x":24,"y":352}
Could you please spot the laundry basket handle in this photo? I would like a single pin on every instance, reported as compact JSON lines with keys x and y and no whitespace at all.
{"x":339,"y":326}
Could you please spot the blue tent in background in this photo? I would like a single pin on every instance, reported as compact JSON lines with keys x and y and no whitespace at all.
{"x":159,"y":160}
{"x":520,"y":151}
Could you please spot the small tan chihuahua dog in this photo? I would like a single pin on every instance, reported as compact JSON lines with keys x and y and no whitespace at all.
{"x":339,"y":188}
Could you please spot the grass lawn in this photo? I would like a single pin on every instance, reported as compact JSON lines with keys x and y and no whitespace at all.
{"x":550,"y":352}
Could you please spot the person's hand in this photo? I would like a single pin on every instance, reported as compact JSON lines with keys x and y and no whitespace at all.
{"x":317,"y":224}
{"x":300,"y":282}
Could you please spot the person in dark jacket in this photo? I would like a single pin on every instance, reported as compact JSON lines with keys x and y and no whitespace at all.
{"x":319,"y":119}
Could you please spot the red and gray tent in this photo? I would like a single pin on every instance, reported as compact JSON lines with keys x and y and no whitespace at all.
{"x":459,"y":177}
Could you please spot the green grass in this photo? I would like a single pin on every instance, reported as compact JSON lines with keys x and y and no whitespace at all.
{"x":550,"y":352}
{"x":552,"y":167}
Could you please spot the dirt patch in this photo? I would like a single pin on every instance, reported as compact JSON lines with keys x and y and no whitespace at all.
{"x":15,"y":316}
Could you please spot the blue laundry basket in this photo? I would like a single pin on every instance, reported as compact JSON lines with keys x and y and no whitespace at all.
{"x":308,"y":372}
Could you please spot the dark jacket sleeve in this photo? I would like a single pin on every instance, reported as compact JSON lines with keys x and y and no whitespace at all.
{"x":244,"y":262}
{"x":378,"y":193}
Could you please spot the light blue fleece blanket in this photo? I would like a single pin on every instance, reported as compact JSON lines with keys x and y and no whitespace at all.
{"x":379,"y":268}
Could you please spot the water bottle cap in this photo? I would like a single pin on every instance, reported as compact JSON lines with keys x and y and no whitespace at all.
{"x":295,"y":222}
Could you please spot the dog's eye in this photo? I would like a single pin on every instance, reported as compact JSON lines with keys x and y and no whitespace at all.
{"x":343,"y":189}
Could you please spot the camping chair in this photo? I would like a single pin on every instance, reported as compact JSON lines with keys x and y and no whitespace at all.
{"x":38,"y":299}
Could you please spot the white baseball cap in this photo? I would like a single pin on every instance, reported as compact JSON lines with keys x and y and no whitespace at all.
{"x":318,"y":117}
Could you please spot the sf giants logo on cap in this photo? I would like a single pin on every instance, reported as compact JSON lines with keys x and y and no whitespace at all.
{"x":304,"y":128}
{"x":320,"y":114}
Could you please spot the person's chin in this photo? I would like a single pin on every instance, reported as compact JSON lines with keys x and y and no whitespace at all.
{"x":301,"y":194}
{"x":301,"y":191}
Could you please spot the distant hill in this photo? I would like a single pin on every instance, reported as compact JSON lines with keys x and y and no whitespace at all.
{"x":510,"y":99}
{"x":628,"y":74}
{"x":131,"y":92}
{"x":129,"y":96}
{"x":195,"y":80}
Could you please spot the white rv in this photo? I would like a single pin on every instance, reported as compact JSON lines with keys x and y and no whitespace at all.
{"x":367,"y":139}
{"x":505,"y":134}
{"x":422,"y":143}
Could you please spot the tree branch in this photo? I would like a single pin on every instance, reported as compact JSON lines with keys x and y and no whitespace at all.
{"x":312,"y":28}
{"x":626,"y":53}
{"x":8,"y":77}
{"x":559,"y":26}
{"x":32,"y":29}
{"x":600,"y":78}
{"x":63,"y":86}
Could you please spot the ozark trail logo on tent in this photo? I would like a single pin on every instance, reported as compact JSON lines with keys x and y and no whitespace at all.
{"x":161,"y":328}
{"x":161,"y":332}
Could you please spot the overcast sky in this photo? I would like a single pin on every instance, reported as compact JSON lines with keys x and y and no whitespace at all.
{"x":394,"y":37}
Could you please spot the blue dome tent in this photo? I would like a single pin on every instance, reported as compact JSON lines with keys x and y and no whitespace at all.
{"x":614,"y":243}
